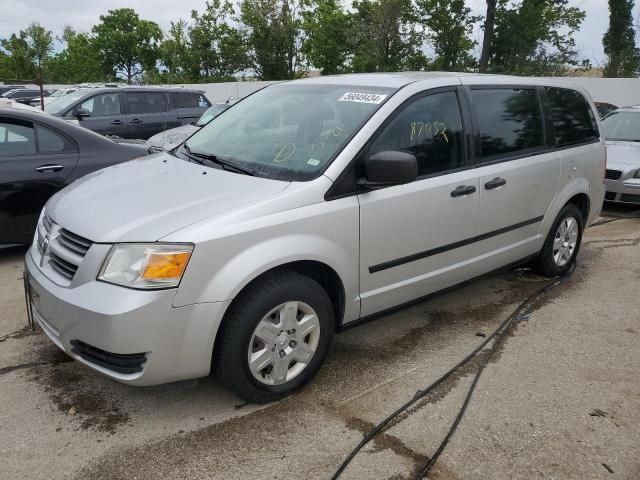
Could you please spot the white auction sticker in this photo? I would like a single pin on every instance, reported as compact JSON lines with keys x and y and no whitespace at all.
{"x":362,"y":97}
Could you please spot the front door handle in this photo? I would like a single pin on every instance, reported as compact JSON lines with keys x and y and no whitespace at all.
{"x":135,"y":120}
{"x":463,"y":190}
{"x":116,"y":122}
{"x":495,"y":183}
{"x":49,"y":168}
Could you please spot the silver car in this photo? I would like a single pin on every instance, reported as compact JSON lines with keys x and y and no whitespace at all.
{"x":622,"y":130}
{"x":308,"y":207}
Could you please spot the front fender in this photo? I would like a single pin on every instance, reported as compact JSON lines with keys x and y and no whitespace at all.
{"x":327,"y":233}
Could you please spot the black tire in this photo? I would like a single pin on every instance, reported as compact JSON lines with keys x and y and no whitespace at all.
{"x":251,"y":306}
{"x":545,"y":263}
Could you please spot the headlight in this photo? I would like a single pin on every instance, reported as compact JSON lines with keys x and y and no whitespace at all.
{"x":637,"y":174}
{"x":146,"y":265}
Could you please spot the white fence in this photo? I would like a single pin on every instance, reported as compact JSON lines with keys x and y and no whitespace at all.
{"x":618,"y":91}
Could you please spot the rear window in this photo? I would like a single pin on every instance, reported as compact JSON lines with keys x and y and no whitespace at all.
{"x":573,"y":119}
{"x":188,"y":100}
{"x":509,"y":121}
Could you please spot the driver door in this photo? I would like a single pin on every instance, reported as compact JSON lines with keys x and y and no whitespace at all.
{"x":107,"y":116}
{"x":415,"y":238}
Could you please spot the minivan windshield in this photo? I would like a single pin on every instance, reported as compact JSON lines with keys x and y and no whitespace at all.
{"x":63,"y":103}
{"x":622,"y":126}
{"x":288,"y":131}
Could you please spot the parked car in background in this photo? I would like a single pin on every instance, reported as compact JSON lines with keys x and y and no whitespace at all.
{"x":308,"y":206}
{"x":622,"y":179}
{"x":24,"y":95}
{"x":171,"y":138}
{"x":54,"y":96}
{"x":5,"y":88}
{"x":131,"y":112}
{"x":39,"y":155}
{"x":604,"y":108}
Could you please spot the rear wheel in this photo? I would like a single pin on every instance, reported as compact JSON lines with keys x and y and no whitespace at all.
{"x":275,"y":336}
{"x":562,"y":244}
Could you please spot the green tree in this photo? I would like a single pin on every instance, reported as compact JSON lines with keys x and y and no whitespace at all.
{"x":174,"y":51}
{"x":327,"y":40}
{"x":448,"y":25}
{"x":623,"y":57}
{"x":535,"y":37}
{"x":386,"y":36}
{"x":128,"y":44}
{"x":274,"y":35}
{"x":18,"y":62}
{"x":78,"y":62}
{"x":217,"y":50}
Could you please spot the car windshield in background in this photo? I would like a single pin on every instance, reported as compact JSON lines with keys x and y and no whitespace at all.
{"x":210,"y":114}
{"x":622,"y":126}
{"x":62,"y":103}
{"x":288,"y":132}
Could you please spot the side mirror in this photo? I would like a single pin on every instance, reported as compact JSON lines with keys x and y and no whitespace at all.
{"x":388,"y":168}
{"x":82,"y":112}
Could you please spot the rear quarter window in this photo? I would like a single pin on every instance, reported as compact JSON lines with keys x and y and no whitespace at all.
{"x":189,"y":100}
{"x":573,"y":119}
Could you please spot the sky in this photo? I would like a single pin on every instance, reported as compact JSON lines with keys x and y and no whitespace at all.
{"x":82,"y":14}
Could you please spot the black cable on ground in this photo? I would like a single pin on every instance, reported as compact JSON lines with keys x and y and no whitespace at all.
{"x":500,"y":333}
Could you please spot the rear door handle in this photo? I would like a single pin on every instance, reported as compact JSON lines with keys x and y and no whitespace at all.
{"x":49,"y":168}
{"x":116,"y":122}
{"x":495,"y":183}
{"x":135,"y":120}
{"x":463,"y":190}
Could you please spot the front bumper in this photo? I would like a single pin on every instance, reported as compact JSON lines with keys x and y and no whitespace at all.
{"x":177,"y":342}
{"x":624,"y":190}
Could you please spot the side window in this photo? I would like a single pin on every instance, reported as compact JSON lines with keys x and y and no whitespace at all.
{"x":509,"y":121}
{"x":429,"y":128}
{"x":146,"y":102}
{"x":188,"y":100}
{"x":103,"y":105}
{"x":573,"y":119}
{"x":16,"y":138}
{"x":52,"y":142}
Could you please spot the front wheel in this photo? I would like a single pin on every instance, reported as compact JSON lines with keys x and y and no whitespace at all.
{"x":562,"y":244}
{"x":275,"y":336}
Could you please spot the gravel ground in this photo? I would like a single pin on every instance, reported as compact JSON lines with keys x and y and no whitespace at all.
{"x":559,"y":400}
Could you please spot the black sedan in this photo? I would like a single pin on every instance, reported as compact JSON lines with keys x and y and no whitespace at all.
{"x":39,"y":155}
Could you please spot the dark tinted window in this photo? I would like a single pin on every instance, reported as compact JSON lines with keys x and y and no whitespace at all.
{"x":103,"y":105}
{"x":573,"y":119}
{"x":16,"y":138}
{"x":429,"y":128}
{"x":52,"y":142}
{"x":509,"y":121}
{"x":147,"y":102}
{"x":26,"y":94}
{"x":188,"y":100}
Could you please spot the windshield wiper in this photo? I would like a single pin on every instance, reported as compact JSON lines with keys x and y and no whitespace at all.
{"x":228,"y":165}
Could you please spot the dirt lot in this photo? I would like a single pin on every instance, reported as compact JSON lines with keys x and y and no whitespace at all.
{"x":559,"y":400}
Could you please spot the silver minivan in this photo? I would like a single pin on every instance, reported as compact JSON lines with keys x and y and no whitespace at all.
{"x":305,"y":208}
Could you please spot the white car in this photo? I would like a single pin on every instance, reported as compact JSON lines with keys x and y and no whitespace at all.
{"x":54,"y":96}
{"x":622,"y":179}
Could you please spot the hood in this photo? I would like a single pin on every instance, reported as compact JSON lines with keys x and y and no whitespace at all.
{"x":145,"y":199}
{"x":172,"y":138}
{"x":623,"y":153}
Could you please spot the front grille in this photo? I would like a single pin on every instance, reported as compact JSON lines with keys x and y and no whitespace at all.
{"x":612,"y":174}
{"x":74,"y":242}
{"x":117,"y":362}
{"x":630,"y":198}
{"x":611,"y":196}
{"x":66,"y":251}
